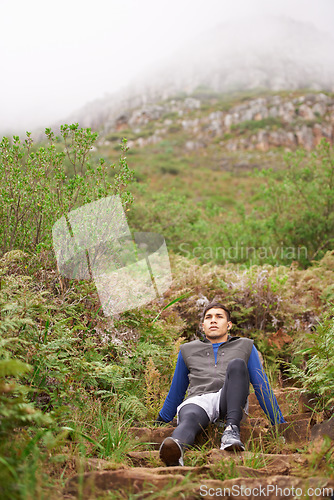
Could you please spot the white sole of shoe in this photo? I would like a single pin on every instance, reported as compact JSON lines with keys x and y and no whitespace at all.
{"x":233,"y":447}
{"x":170,"y":452}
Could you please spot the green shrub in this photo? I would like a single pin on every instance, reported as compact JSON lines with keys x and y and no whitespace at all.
{"x":119,"y":134}
{"x":298,"y":208}
{"x":39,"y":185}
{"x":257,"y":124}
{"x":15,"y":408}
{"x":174,"y":129}
{"x":16,"y":412}
{"x":318,"y":378}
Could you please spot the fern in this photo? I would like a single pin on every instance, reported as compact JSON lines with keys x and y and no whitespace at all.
{"x":319,"y":375}
{"x":15,"y":409}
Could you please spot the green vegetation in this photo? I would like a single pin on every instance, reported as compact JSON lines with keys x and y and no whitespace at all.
{"x":252,"y":125}
{"x":77,"y":391}
{"x":319,"y":353}
{"x":90,"y":378}
{"x":275,"y":216}
{"x":39,"y":185}
{"x":255,"y":232}
{"x":299,"y":202}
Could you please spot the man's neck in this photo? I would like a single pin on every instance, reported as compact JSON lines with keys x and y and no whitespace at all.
{"x":218,"y":340}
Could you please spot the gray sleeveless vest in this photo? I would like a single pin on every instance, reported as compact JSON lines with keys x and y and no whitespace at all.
{"x":204,"y":374}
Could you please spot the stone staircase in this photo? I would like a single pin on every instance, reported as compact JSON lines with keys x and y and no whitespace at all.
{"x":286,"y":461}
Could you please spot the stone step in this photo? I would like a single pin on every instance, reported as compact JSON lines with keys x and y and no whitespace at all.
{"x":144,"y":458}
{"x":290,"y":401}
{"x":265,"y":464}
{"x":298,"y":416}
{"x":325,"y":428}
{"x":295,"y":431}
{"x":132,"y":481}
{"x":264,"y":422}
{"x":288,"y":436}
{"x":149,"y":436}
{"x":260,"y":464}
{"x":141,"y":481}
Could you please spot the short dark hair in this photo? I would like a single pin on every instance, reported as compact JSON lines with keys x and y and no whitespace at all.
{"x":216,"y":305}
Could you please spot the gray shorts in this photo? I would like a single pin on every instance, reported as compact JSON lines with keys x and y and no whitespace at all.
{"x":210,"y":404}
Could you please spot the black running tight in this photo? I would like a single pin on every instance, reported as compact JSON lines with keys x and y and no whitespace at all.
{"x":235,"y":391}
{"x":193,"y":419}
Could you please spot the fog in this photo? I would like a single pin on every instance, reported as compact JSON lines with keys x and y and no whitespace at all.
{"x":56,"y":57}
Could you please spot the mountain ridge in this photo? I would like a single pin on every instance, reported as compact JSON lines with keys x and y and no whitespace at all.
{"x":278,"y":55}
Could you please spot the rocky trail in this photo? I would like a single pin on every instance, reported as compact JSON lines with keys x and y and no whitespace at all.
{"x":289,"y":461}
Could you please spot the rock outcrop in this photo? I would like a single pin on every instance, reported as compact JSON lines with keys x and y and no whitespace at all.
{"x":274,"y":53}
{"x":262,"y":123}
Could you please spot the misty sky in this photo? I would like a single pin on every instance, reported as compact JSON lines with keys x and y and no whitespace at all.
{"x":57,"y":56}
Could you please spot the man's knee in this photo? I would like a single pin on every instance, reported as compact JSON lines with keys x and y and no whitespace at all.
{"x":193,"y":414}
{"x":190,"y":416}
{"x":237,"y":365}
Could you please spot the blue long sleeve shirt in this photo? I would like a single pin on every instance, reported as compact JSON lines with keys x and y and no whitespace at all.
{"x":257,"y":376}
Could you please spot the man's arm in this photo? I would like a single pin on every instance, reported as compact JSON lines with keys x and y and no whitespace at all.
{"x":263,"y":391}
{"x":176,"y":392}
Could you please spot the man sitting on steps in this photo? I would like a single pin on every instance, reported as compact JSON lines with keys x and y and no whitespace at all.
{"x":217,"y":370}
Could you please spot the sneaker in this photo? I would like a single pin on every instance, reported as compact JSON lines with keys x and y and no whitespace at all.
{"x":171,"y":452}
{"x":231,"y":439}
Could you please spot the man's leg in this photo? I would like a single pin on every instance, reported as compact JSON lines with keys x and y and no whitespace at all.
{"x":232,"y":400}
{"x":234,"y":393}
{"x":192,"y":419}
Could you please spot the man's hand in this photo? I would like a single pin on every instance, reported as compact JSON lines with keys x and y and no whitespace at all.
{"x":159,"y":420}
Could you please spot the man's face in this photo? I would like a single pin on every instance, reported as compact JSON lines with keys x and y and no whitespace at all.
{"x":216,"y":325}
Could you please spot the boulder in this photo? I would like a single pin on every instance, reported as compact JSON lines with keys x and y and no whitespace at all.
{"x":287,"y":111}
{"x":305,"y":137}
{"x":319,"y":109}
{"x":262,"y":140}
{"x":306,"y":112}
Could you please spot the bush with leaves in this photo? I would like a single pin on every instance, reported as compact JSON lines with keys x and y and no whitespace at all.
{"x":61,"y":356}
{"x":277,"y":216}
{"x":40,"y":184}
{"x":69,"y":343}
{"x":299,"y":203}
{"x":290,"y":219}
{"x":318,"y":378}
{"x":18,"y":416}
{"x":15,"y":408}
{"x":49,"y":336}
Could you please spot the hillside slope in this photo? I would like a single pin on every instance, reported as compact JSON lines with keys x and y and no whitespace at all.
{"x":272,"y":53}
